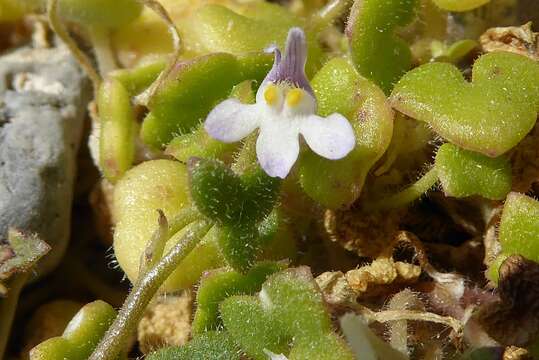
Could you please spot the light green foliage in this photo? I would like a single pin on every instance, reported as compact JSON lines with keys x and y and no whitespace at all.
{"x":465,"y":173}
{"x":238,"y":204}
{"x":215,"y":28}
{"x":209,"y":346}
{"x":518,"y":231}
{"x":519,"y":226}
{"x":152,"y":185}
{"x":460,"y":5}
{"x":80,"y":336}
{"x":454,"y":52}
{"x":199,"y":144}
{"x":288,"y":316}
{"x":228,"y":198}
{"x":137,"y":79}
{"x":377,"y":52}
{"x":217,"y":286}
{"x":117,"y":133}
{"x":490,"y":115}
{"x":192,"y":89}
{"x":339,"y":88}
{"x":98,"y":13}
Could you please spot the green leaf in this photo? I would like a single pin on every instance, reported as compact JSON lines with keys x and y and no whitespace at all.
{"x":460,"y":5}
{"x":209,"y":346}
{"x":20,"y":254}
{"x":138,"y":79}
{"x":217,"y":286}
{"x":216,"y":28}
{"x":288,"y":316}
{"x":149,"y":186}
{"x":228,"y":198}
{"x":95,"y":13}
{"x":376,"y":51}
{"x":465,"y":173}
{"x":519,"y":226}
{"x":80,"y":336}
{"x":187,"y":95}
{"x":489,"y":115}
{"x":117,"y":132}
{"x":340,"y":89}
{"x":200,"y":144}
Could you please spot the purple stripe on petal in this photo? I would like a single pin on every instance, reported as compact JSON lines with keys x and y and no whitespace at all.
{"x":291,"y":68}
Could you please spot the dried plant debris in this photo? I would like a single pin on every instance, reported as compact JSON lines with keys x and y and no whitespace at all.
{"x":514,"y":318}
{"x":402,"y":223}
{"x":517,"y":39}
{"x":19,"y":255}
{"x":167,"y":322}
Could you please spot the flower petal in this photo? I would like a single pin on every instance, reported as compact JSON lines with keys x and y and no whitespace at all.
{"x":291,"y":68}
{"x":331,"y":137}
{"x":231,"y":121}
{"x":277,"y":148}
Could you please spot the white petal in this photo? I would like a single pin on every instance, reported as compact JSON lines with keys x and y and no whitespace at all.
{"x":331,"y":137}
{"x":277,"y":148}
{"x":231,"y":121}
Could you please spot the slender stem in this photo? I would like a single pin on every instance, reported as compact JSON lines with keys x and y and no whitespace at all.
{"x":408,"y":195}
{"x":106,"y":59}
{"x":141,"y":295}
{"x":83,"y":60}
{"x":144,"y":98}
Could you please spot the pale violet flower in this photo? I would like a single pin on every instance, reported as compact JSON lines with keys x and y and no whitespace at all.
{"x":285,"y":108}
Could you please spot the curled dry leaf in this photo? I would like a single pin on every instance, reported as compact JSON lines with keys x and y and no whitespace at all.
{"x":20,"y":254}
{"x":514,"y":318}
{"x":517,"y":39}
{"x":382,"y":271}
{"x":367,"y":234}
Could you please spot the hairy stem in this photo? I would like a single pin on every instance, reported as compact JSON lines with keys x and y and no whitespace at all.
{"x":407,"y":195}
{"x":141,"y":295}
{"x":83,"y":60}
{"x":144,"y":98}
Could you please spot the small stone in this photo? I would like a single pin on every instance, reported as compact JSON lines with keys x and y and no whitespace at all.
{"x":167,"y":322}
{"x":43,"y":97}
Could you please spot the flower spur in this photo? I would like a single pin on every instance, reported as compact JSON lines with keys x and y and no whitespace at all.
{"x":285,"y":108}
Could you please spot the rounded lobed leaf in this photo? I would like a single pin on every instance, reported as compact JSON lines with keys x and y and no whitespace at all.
{"x":212,"y":345}
{"x":288,"y":317}
{"x":519,"y":226}
{"x":216,"y":287}
{"x":465,"y":173}
{"x":80,"y":336}
{"x":489,"y":115}
{"x":153,"y":185}
{"x":376,"y":51}
{"x":340,"y":89}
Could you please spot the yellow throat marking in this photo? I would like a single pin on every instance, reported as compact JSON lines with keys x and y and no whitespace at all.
{"x":294,"y":97}
{"x":270,"y":94}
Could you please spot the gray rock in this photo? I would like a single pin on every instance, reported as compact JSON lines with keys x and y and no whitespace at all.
{"x":43,"y":99}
